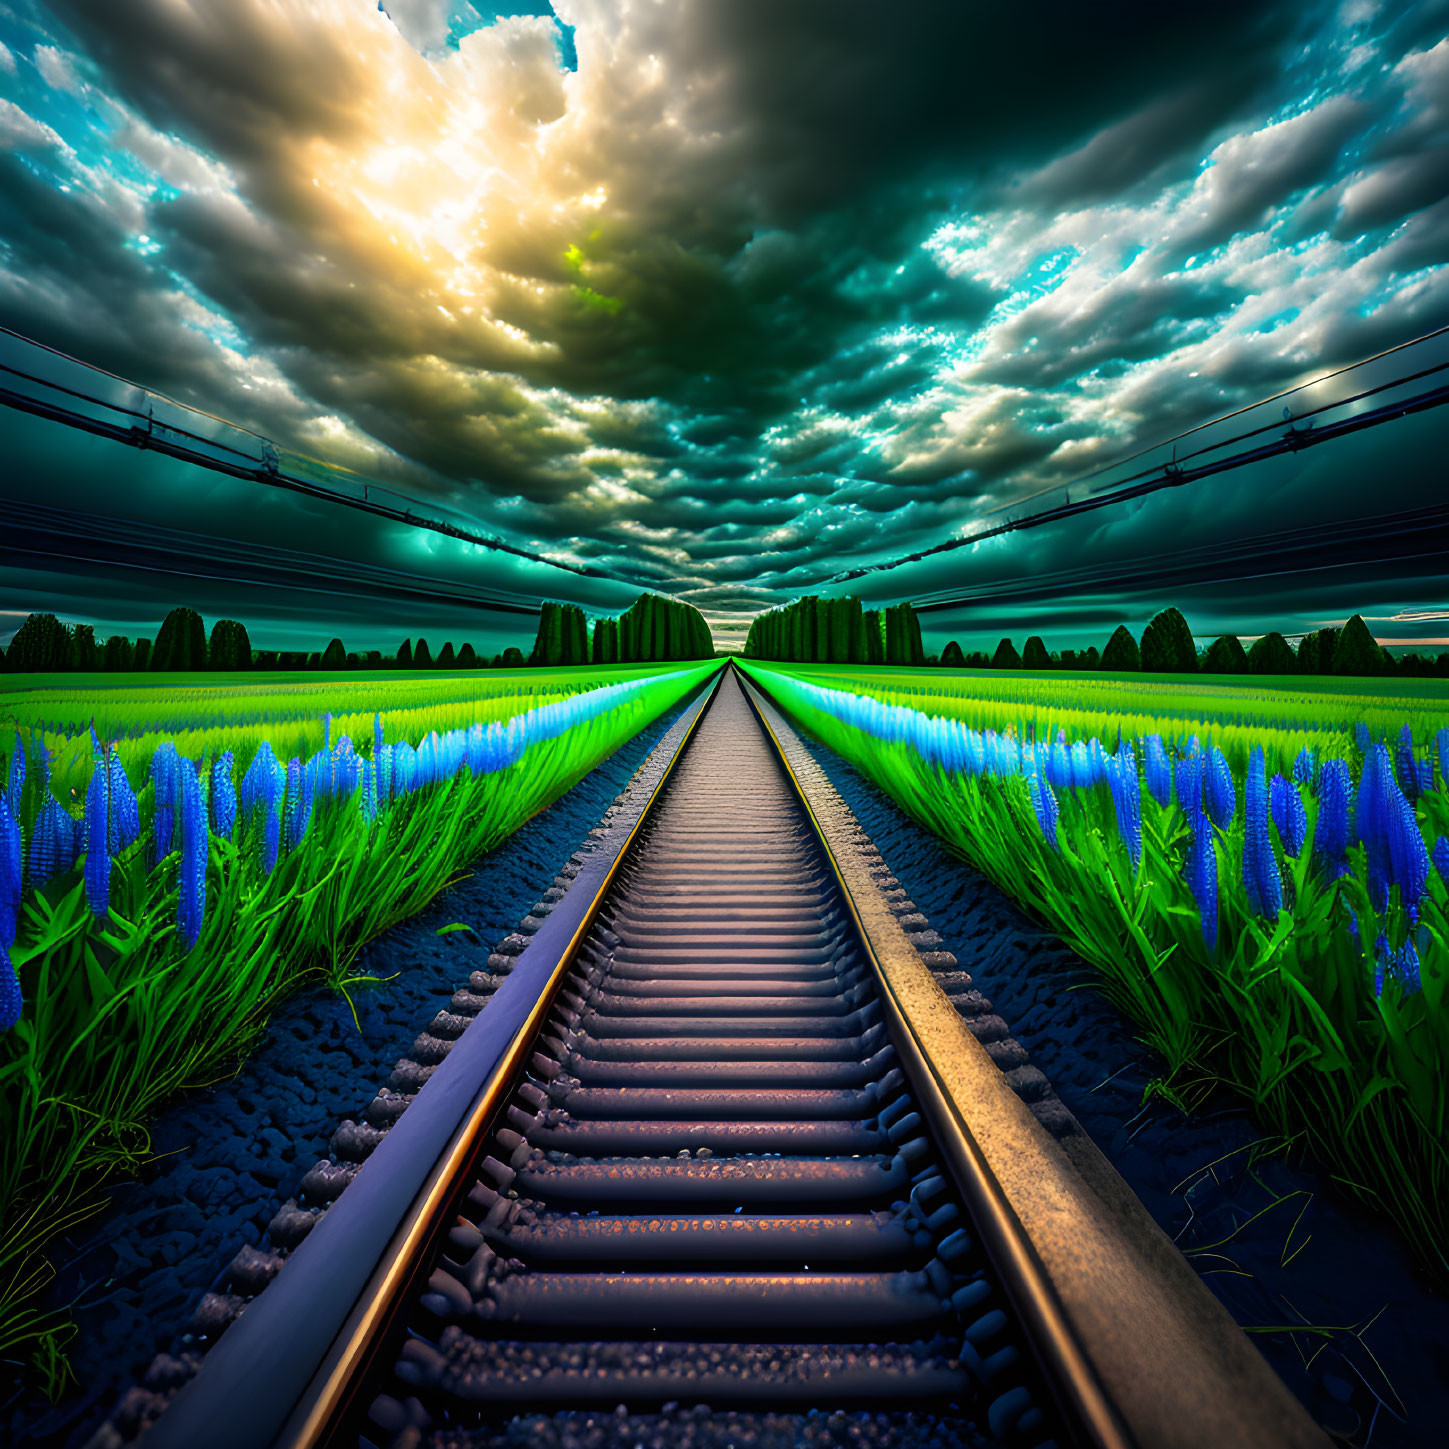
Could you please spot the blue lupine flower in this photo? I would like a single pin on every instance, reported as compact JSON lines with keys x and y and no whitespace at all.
{"x":1189,"y":784}
{"x":1331,"y":834}
{"x":165,"y":771}
{"x":1220,"y":797}
{"x":1383,"y":959}
{"x":1044,"y":803}
{"x":1372,"y":821}
{"x":52,"y":841}
{"x":1127,"y":801}
{"x":1305,"y":767}
{"x":1426,"y":776}
{"x":1408,"y":856}
{"x":1441,"y":858}
{"x":223,"y":803}
{"x":11,"y":1001}
{"x":1293,"y":828}
{"x":125,"y":822}
{"x":16,"y":781}
{"x":301,"y":790}
{"x":376,"y":738}
{"x":1441,"y":743}
{"x":11,"y":861}
{"x":1260,"y":866}
{"x":191,"y":881}
{"x":97,"y":841}
{"x":1158,"y":770}
{"x":1406,"y":968}
{"x":1406,"y":765}
{"x":1361,"y":737}
{"x":1201,"y":872}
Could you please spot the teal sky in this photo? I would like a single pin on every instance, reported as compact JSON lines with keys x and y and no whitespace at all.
{"x":727,"y":299}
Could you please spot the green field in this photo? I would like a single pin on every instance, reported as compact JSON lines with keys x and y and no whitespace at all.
{"x":202,"y":713}
{"x":1286,"y":937}
{"x":149,"y":963}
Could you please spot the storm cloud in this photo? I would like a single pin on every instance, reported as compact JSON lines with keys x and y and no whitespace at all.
{"x":730,"y":297}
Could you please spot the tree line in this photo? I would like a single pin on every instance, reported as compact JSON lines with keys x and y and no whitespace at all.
{"x":652,"y":628}
{"x":813,"y":630}
{"x":1167,"y":646}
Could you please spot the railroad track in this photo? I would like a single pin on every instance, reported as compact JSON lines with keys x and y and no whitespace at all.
{"x":721,"y":1163}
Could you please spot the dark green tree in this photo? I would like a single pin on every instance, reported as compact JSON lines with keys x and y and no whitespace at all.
{"x":1121,"y":653}
{"x":334,"y":656}
{"x":422,"y":655}
{"x":141,"y":658}
{"x":1271,"y":655}
{"x":1356,"y":651}
{"x":1092,"y":659}
{"x":85,"y":654}
{"x":1225,"y":655}
{"x":447,"y":656}
{"x":1006,"y":656}
{"x":231,"y":646}
{"x":1167,"y":646}
{"x":1035,"y":655}
{"x":42,"y":645}
{"x":118,"y":656}
{"x":181,"y":644}
{"x":512,"y":657}
{"x":952,"y":657}
{"x":1315,"y":651}
{"x":405,"y":655}
{"x":467,"y":657}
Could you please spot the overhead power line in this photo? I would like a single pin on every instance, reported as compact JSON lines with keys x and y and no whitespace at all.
{"x":1173,"y":474}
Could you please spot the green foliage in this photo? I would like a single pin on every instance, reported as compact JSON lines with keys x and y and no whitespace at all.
{"x":467,"y":657}
{"x":85,"y":655}
{"x":1356,"y":651}
{"x":181,"y":644}
{"x":422,"y":655}
{"x":1121,"y":654}
{"x":141,"y":660}
{"x":447,"y":659}
{"x":118,"y":657}
{"x":1035,"y":655}
{"x":952,"y":657}
{"x":1006,"y":656}
{"x":334,"y":656}
{"x":1315,"y":651}
{"x":41,"y":645}
{"x":1271,"y":655}
{"x":512,"y":658}
{"x":405,"y":654}
{"x":231,"y":646}
{"x":1167,"y":646}
{"x":1225,"y":655}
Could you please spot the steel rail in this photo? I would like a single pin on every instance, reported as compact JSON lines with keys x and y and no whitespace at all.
{"x":224,"y":1407}
{"x":1079,"y":1394}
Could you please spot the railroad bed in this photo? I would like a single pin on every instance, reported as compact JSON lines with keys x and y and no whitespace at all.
{"x":722,"y":1164}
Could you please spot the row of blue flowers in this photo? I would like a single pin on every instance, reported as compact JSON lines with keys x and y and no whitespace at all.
{"x":1379,"y":813}
{"x":192,"y":801}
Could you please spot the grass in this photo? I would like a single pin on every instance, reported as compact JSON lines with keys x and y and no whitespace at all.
{"x":119,"y":1015}
{"x":1285,"y":1010}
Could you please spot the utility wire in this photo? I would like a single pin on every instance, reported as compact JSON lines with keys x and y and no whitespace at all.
{"x":1173,"y":475}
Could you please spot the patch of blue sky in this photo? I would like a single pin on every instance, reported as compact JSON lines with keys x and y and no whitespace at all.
{"x":468,"y":17}
{"x":1277,"y":320}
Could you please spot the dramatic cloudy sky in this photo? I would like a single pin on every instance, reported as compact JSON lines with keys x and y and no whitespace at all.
{"x":730,"y":297}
